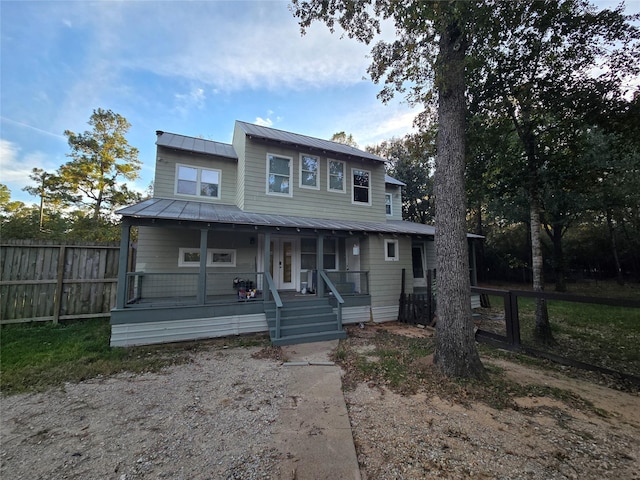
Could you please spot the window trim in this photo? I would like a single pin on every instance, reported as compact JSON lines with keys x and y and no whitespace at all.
{"x":390,"y":204}
{"x":268,"y":174}
{"x":353,"y":188}
{"x":302,"y":185}
{"x":198,"y":181}
{"x":344,"y":176}
{"x":214,"y":251}
{"x":210,"y":253}
{"x":389,"y":241}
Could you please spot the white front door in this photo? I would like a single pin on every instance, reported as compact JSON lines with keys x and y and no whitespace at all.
{"x":283,"y":264}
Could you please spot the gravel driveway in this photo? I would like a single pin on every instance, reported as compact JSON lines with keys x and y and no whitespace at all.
{"x":207,"y":419}
{"x":213,"y":418}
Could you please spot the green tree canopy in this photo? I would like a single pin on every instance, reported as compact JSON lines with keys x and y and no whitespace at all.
{"x":101,"y":161}
{"x":411,"y":161}
{"x":341,"y":137}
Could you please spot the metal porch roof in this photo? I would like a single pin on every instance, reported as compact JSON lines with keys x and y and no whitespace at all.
{"x":193,"y":144}
{"x":181,"y":210}
{"x":295,"y":139}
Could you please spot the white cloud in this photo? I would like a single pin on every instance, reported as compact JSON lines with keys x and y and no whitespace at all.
{"x":378,"y":122}
{"x":227,"y":45}
{"x":193,"y":99}
{"x":263,"y":122}
{"x":8,"y":157}
{"x":16,"y":167}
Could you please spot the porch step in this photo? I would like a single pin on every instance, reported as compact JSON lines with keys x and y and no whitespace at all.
{"x":304,"y":321}
{"x":311,"y":325}
{"x":310,"y":337}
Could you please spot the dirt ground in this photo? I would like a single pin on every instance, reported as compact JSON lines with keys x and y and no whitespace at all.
{"x":213,"y":418}
{"x":424,"y":436}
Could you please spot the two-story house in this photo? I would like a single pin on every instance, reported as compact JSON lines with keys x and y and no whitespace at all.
{"x":275,"y":232}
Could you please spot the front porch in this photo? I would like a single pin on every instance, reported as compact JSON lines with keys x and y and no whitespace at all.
{"x":169,"y":307}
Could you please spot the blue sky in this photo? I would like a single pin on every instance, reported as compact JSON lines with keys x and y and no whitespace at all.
{"x":191,"y":68}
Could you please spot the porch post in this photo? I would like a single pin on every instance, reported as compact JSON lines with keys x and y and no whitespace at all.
{"x":474,"y":272}
{"x":266,"y":292}
{"x":202,"y":277}
{"x":123,"y":261}
{"x":320,"y":264}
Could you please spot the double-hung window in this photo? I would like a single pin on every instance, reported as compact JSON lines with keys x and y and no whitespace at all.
{"x":309,"y":166}
{"x":388,"y":203}
{"x":308,"y":254}
{"x":335,"y":176}
{"x":279,"y":175}
{"x":361,"y":186}
{"x":199,"y":182}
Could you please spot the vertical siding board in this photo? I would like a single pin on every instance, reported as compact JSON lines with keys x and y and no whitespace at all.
{"x":56,"y":284}
{"x":22,"y":274}
{"x":95,"y":292}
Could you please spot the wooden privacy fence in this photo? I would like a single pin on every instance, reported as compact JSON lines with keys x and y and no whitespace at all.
{"x":42,"y":281}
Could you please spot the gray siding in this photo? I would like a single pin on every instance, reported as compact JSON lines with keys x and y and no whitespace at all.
{"x":304,"y":202}
{"x":164,"y":181}
{"x":239,"y":143}
{"x":430,"y":253}
{"x":385,"y":277}
{"x":158,"y":250}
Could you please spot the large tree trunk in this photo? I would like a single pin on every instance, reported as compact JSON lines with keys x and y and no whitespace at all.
{"x":456,"y":353}
{"x":542,"y":330}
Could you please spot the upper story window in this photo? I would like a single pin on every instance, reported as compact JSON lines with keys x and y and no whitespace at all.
{"x":200,"y":182}
{"x":361,"y":186}
{"x":279,"y":175}
{"x":388,"y":203}
{"x":335,"y":176}
{"x":309,"y":166}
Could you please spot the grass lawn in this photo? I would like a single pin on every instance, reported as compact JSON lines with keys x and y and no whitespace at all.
{"x":601,"y":335}
{"x":37,"y":356}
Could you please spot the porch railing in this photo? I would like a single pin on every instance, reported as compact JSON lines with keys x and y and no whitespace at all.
{"x":276,"y":298}
{"x":182,"y":288}
{"x":350,"y":282}
{"x":332,"y":288}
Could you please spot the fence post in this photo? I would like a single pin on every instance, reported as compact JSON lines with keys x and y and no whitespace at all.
{"x":57,"y":303}
{"x":511,"y":318}
{"x":430,"y":311}
{"x":401,"y":306}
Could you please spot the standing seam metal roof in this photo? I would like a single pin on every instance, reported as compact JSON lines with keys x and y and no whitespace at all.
{"x":273,"y":134}
{"x":193,"y":144}
{"x":168,"y":209}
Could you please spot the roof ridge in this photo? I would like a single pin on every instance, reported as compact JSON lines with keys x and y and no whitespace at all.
{"x":341,"y":145}
{"x":161,"y":132}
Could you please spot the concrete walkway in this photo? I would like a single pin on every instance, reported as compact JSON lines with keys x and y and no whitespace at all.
{"x":313,"y":431}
